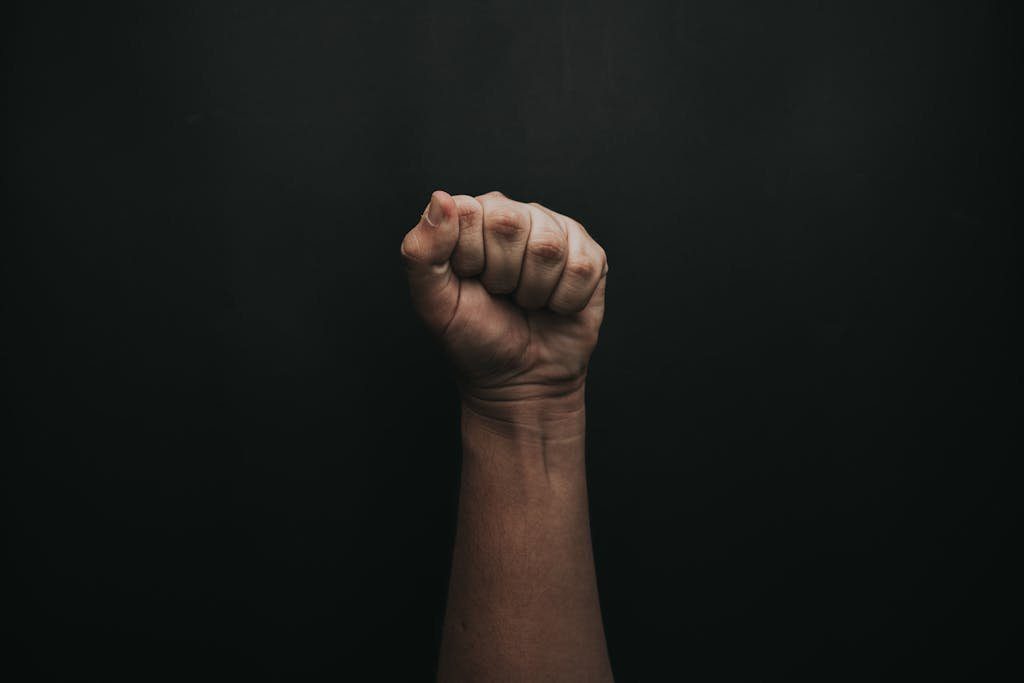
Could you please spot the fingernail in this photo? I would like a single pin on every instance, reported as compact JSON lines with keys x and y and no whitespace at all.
{"x":434,"y":213}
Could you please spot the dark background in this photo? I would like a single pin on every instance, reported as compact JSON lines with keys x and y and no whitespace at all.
{"x":231,"y":449}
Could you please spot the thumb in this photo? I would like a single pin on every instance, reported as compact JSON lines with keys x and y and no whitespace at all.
{"x":426,"y":251}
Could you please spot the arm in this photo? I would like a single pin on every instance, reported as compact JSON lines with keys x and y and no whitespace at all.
{"x":523,"y":596}
{"x":522,"y":601}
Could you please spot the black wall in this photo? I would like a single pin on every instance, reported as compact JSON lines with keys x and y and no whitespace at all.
{"x":231,"y":449}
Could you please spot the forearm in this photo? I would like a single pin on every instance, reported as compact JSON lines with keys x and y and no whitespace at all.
{"x":523,"y":601}
{"x":519,"y":319}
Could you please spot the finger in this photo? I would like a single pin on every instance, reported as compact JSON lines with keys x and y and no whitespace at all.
{"x":584,"y":269}
{"x":468,"y":257}
{"x":546,"y":251}
{"x":506,"y":228}
{"x":426,"y":251}
{"x":595,"y":306}
{"x":563,"y":220}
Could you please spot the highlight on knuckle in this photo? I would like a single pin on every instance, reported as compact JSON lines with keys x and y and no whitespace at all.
{"x":470,"y":219}
{"x":505,"y":223}
{"x":581,"y":269}
{"x":470,"y":210}
{"x":547,"y":250}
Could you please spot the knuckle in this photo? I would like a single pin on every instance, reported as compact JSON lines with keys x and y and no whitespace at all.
{"x":492,"y":194}
{"x":548,"y":249}
{"x":581,"y":269}
{"x":576,"y":225}
{"x":468,"y":207}
{"x":505,"y":223}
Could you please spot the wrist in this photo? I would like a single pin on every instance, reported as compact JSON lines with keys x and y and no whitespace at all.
{"x":549,"y":416}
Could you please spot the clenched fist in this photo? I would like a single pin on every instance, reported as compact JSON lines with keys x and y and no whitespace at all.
{"x":515,"y":292}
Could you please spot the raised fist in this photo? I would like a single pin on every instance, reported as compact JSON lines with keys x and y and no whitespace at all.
{"x":514,"y":291}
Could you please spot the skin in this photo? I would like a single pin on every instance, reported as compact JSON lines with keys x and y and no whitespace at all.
{"x":515,"y":293}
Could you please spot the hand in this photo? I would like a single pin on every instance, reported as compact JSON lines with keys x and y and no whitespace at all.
{"x":514,"y":291}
